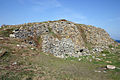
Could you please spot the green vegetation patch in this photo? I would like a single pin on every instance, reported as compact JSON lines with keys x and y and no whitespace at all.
{"x":6,"y":32}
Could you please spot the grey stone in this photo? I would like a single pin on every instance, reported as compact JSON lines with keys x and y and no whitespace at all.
{"x":64,"y":37}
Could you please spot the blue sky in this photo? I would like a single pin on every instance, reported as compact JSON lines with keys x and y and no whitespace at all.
{"x":100,"y":13}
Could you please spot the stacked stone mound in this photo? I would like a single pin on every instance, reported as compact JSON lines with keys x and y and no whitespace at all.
{"x":63,"y":38}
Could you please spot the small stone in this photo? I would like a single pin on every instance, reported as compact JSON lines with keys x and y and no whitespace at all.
{"x":14,"y":63}
{"x":18,"y":45}
{"x":98,"y":59}
{"x":32,"y":48}
{"x":1,"y":38}
{"x":103,"y":54}
{"x":93,"y":57}
{"x":12,"y":35}
{"x":79,"y":59}
{"x":90,"y":60}
{"x":112,"y":48}
{"x":111,"y":67}
{"x":60,"y":56}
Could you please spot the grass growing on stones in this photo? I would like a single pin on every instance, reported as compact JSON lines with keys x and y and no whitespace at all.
{"x":111,"y":46}
{"x":101,"y":60}
{"x":53,"y":34}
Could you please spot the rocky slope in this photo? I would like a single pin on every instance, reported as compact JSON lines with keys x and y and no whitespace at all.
{"x":88,"y":52}
{"x":22,"y":61}
{"x":62,"y":38}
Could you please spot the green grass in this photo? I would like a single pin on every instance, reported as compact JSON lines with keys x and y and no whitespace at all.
{"x":50,"y":67}
{"x":114,"y":58}
{"x":17,"y":76}
{"x":6,"y":32}
{"x":41,"y":65}
{"x":118,"y":47}
{"x":111,"y":46}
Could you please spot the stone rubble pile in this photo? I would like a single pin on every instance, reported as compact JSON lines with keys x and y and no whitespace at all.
{"x":64,"y":38}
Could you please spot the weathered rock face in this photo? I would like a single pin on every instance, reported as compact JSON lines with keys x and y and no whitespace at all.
{"x":96,"y":36}
{"x":63,"y":37}
{"x":57,"y":47}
